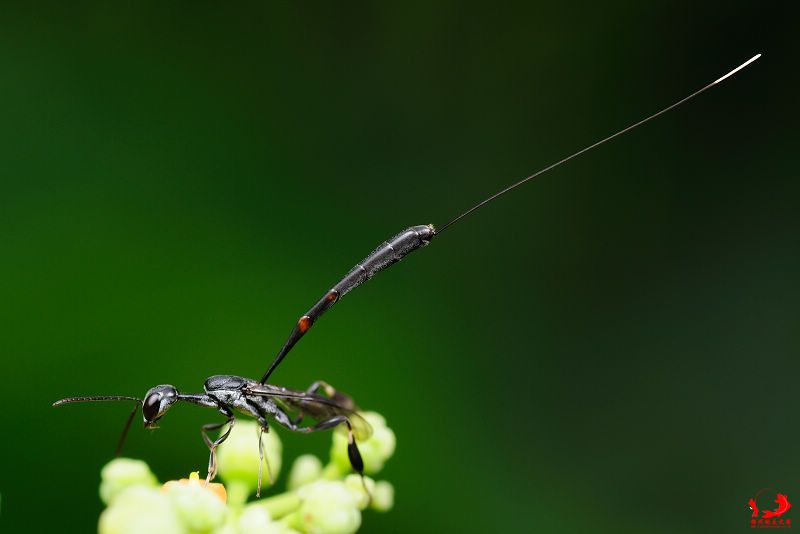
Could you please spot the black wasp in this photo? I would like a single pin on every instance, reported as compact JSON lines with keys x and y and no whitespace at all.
{"x":231,"y":394}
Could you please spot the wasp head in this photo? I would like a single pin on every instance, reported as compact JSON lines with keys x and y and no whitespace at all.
{"x":157,"y":402}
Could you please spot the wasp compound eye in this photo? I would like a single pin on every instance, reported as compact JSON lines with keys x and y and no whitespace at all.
{"x":151,"y":405}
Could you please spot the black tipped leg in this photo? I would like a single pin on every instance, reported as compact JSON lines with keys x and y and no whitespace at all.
{"x":353,"y":454}
{"x":357,"y":463}
{"x":355,"y":457}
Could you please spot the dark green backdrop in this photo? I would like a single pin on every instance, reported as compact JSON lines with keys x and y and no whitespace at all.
{"x":613,"y":348}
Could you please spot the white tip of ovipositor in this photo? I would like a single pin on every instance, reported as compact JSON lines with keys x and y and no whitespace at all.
{"x":737,"y":69}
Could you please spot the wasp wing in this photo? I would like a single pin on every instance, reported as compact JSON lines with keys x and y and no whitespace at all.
{"x":307,"y":402}
{"x":361,"y":428}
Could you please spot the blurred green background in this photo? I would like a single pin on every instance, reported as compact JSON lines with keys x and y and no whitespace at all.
{"x":613,"y":348}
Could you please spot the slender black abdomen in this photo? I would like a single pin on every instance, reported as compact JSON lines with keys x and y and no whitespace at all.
{"x":388,"y":253}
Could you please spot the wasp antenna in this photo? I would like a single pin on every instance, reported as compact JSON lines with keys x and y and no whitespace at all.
{"x":70,"y":400}
{"x":127,"y":427}
{"x":595,"y":145}
{"x":102,"y":398}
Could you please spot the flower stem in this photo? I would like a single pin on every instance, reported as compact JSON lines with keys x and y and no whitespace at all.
{"x":237,"y":494}
{"x":280,"y":505}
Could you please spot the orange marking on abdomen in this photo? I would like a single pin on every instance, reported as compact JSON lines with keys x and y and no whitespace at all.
{"x":332,"y":295}
{"x":304,"y":323}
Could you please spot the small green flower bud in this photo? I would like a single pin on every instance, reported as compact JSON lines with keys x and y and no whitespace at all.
{"x":140,"y":510}
{"x":382,"y":496}
{"x":328,"y":508}
{"x":238,"y":456}
{"x":374,"y":452}
{"x":199,"y":508}
{"x":122,"y":473}
{"x":306,"y":468}
{"x":254,"y":520}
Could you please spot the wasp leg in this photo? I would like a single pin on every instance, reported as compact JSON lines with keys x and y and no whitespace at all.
{"x":330,"y":391}
{"x":258,"y":413}
{"x":312,"y":390}
{"x":321,"y":384}
{"x":353,"y":453}
{"x":261,"y":461}
{"x":262,"y":458}
{"x":212,"y":445}
{"x":352,"y":448}
{"x":340,"y":398}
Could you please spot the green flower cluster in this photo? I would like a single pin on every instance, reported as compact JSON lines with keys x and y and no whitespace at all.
{"x":319,"y":499}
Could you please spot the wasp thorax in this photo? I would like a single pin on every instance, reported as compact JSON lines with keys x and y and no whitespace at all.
{"x":156,"y":402}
